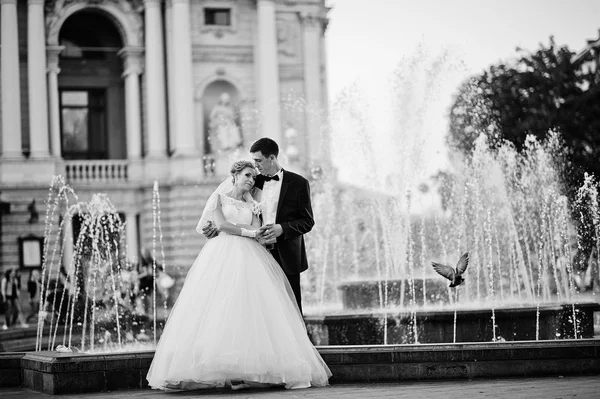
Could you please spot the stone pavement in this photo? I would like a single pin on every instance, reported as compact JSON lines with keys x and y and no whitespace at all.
{"x":543,"y":387}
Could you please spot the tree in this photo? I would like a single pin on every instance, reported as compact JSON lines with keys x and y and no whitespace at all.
{"x":470,"y":116}
{"x":539,"y":93}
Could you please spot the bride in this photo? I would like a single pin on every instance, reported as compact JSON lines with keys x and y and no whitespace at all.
{"x":236,"y":322}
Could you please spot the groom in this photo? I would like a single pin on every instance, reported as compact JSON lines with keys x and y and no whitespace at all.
{"x":287,"y":212}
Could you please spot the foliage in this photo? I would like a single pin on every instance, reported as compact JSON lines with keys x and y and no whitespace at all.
{"x":541,"y":92}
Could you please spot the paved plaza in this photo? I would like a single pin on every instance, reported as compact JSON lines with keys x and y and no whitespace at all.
{"x":546,"y":387}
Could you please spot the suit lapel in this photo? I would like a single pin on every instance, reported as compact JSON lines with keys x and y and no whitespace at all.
{"x":284,"y":186}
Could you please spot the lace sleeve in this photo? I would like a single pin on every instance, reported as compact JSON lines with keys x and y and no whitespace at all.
{"x":207,"y":214}
{"x":211,"y":204}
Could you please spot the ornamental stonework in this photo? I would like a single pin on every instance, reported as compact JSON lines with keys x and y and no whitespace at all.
{"x":288,"y":38}
{"x":225,"y":54}
{"x":129,"y":12}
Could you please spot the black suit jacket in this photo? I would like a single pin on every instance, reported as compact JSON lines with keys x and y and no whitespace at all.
{"x":295,"y":215}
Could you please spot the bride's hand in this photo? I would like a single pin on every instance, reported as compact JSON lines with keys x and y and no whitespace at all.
{"x":210,"y":230}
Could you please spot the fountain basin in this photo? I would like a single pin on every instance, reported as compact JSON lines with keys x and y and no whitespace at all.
{"x":55,"y":373}
{"x":370,"y":294}
{"x":10,"y":369}
{"x":472,"y":325}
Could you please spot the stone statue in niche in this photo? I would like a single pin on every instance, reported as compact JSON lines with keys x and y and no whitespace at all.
{"x":224,"y":133}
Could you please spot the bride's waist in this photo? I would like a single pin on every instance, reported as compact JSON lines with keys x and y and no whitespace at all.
{"x":222,"y":233}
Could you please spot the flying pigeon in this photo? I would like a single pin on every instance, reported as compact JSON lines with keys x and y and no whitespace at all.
{"x":454,"y":275}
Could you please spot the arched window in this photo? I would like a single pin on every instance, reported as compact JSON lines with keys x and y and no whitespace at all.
{"x":91,"y":88}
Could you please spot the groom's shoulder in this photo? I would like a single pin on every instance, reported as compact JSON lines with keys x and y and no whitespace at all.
{"x":295,"y":176}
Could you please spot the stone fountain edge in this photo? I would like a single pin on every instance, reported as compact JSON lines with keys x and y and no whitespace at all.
{"x":63,"y":373}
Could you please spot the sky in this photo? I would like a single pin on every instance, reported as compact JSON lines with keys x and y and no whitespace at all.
{"x":434,"y":45}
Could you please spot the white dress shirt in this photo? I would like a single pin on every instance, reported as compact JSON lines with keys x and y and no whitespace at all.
{"x":270,"y":198}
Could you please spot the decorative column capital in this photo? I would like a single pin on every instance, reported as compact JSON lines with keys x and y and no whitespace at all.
{"x":3,"y":2}
{"x":312,"y":20}
{"x":35,"y":3}
{"x":152,"y":3}
{"x":52,"y":54}
{"x":265,"y":2}
{"x":132,"y":58}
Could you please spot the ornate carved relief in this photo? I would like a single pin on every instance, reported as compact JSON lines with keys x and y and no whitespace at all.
{"x":312,"y":20}
{"x":53,"y":5}
{"x":126,"y":14}
{"x":224,"y":54}
{"x":288,"y":35}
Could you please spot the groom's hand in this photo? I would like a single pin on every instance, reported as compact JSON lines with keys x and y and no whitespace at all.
{"x":210,"y":230}
{"x":270,"y":232}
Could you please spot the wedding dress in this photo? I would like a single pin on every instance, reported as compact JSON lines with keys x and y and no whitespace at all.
{"x":235,"y":319}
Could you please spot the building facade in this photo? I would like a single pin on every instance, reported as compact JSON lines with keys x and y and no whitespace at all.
{"x":115,"y":95}
{"x":590,"y":56}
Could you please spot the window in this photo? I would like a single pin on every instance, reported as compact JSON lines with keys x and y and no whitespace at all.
{"x":217,"y":16}
{"x":83,"y":124}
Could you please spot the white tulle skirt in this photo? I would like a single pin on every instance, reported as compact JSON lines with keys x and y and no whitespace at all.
{"x":235,"y":319}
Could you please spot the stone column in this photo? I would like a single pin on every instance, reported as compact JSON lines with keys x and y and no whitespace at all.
{"x":36,"y":69}
{"x":326,"y":148}
{"x":324,"y":67}
{"x":183,"y":80}
{"x":131,"y":236}
{"x":11,"y":92}
{"x":155,"y":79}
{"x":133,"y":119}
{"x":170,"y":78}
{"x":267,"y":65}
{"x":312,"y":81}
{"x":53,"y":98}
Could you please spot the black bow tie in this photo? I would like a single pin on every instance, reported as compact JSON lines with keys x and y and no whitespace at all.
{"x":269,"y":178}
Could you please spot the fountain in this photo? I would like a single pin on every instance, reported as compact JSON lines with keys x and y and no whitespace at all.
{"x":520,"y":285}
{"x":92,"y":301}
{"x":372,"y":246}
{"x":372,"y":281}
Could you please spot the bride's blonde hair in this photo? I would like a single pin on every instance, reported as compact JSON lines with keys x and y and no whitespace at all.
{"x":238,"y":166}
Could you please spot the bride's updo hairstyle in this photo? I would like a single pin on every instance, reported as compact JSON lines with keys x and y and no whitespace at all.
{"x":238,"y":166}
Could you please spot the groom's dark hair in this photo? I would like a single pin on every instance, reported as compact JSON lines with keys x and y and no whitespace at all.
{"x":266,"y":146}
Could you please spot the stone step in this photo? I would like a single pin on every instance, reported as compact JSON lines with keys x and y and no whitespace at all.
{"x":17,"y":339}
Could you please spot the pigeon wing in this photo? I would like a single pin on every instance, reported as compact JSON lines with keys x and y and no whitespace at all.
{"x":462,"y":264}
{"x":444,"y":270}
